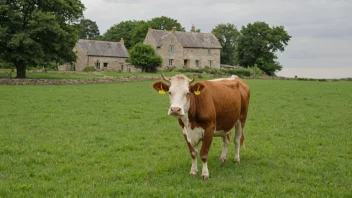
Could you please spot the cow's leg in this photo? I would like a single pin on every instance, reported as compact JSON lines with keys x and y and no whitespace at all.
{"x":238,"y":135}
{"x":225,"y":147}
{"x":194,"y":152}
{"x":207,"y":139}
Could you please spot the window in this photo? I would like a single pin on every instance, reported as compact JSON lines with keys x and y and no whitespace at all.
{"x":186,"y":63}
{"x":209,"y":51}
{"x":210,"y":62}
{"x":171,"y":61}
{"x":197,"y":63}
{"x":105,"y":64}
{"x":172,"y":48}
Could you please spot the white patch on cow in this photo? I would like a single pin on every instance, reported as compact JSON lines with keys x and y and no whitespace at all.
{"x":178,"y":94}
{"x":238,"y":135}
{"x":225,"y":148}
{"x":194,"y":168}
{"x":193,"y":135}
{"x":205,"y":171}
{"x":220,"y":133}
{"x":233,"y":77}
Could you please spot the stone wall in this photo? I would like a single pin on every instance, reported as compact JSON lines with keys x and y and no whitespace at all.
{"x":166,"y":54}
{"x":13,"y":81}
{"x":150,"y":40}
{"x":203,"y":55}
{"x":113,"y":63}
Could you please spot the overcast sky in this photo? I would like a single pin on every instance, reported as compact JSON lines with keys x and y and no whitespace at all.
{"x":321,"y":30}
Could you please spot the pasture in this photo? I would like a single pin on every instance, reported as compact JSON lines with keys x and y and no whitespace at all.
{"x":116,"y":140}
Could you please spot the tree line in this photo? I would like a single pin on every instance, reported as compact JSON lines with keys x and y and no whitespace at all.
{"x":35,"y":33}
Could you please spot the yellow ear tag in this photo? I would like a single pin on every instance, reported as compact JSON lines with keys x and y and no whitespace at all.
{"x":161,"y":90}
{"x":197,"y":92}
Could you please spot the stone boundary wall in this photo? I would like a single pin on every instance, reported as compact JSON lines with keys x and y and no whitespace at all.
{"x":13,"y":81}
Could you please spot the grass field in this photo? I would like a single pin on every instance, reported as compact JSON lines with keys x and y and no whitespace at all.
{"x":116,"y":140}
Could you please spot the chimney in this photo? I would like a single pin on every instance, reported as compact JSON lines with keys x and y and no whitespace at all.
{"x":193,"y":29}
{"x":122,"y":42}
{"x":173,"y":29}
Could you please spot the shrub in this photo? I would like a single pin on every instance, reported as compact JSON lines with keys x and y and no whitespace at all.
{"x":255,"y":71}
{"x":89,"y":69}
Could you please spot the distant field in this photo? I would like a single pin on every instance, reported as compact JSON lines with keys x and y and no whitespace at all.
{"x":116,"y":140}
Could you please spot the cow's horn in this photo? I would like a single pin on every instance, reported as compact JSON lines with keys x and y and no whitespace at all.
{"x":192,"y":79}
{"x":165,"y":78}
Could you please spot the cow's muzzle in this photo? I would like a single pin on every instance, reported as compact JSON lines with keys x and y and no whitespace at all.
{"x":175,"y":111}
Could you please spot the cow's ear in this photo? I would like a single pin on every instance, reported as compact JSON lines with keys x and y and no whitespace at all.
{"x":161,"y":87}
{"x":197,"y":88}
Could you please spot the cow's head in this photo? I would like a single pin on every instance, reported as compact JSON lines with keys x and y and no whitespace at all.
{"x":180,"y":92}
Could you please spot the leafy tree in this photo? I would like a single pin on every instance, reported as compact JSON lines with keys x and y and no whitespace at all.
{"x":34,"y":32}
{"x":165,"y":23}
{"x":139,"y":33}
{"x":258,"y":43}
{"x":227,"y":34}
{"x":89,"y":29}
{"x":144,"y":56}
{"x":123,"y":30}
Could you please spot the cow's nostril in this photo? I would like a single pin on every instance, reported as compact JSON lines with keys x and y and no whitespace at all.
{"x":175,"y":109}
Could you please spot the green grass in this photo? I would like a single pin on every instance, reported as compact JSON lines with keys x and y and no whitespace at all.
{"x":116,"y":140}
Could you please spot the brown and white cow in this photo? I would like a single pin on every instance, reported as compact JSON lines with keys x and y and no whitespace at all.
{"x":206,"y":109}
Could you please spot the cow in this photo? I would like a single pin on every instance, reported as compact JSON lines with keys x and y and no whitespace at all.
{"x":205,"y":110}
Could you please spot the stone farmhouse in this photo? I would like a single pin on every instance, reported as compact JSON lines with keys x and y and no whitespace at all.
{"x":103,"y":55}
{"x":185,"y":49}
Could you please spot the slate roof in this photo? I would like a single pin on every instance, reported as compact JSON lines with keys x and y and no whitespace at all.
{"x":188,"y":39}
{"x":103,"y":48}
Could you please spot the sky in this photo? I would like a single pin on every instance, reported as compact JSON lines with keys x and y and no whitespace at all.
{"x":321,"y":30}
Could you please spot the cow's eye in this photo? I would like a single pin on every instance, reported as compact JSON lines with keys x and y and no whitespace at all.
{"x":170,"y":93}
{"x":187,"y":94}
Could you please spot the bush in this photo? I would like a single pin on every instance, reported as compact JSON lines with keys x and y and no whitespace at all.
{"x":255,"y":71}
{"x":6,"y":65}
{"x":89,"y":69}
{"x":243,"y":72}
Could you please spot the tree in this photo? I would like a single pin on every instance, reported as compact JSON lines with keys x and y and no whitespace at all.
{"x":123,"y":30}
{"x":34,"y":32}
{"x":134,"y":32}
{"x":165,"y":23}
{"x":89,"y":29}
{"x":139,"y":33}
{"x":258,"y":44}
{"x":144,"y":56}
{"x":227,"y":34}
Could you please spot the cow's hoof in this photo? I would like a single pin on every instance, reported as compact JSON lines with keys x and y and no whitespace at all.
{"x":236,"y":160}
{"x":222,"y":160}
{"x":192,"y":175}
{"x":205,"y":177}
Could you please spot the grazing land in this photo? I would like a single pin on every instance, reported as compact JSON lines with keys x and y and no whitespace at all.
{"x":116,"y":140}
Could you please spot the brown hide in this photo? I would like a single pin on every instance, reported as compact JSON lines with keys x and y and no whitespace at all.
{"x":220,"y":104}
